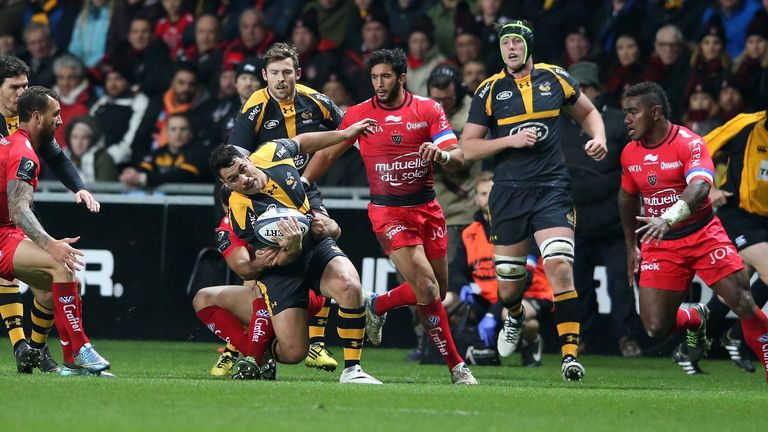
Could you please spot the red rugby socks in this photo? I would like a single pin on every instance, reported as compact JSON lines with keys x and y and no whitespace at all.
{"x":435,"y":321}
{"x":756,"y":336}
{"x":68,"y":313}
{"x":401,"y":295}
{"x":686,"y":319}
{"x":224,"y":325}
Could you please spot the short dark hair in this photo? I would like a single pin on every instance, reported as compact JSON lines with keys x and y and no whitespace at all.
{"x":11,"y":66}
{"x":281,"y":51}
{"x":184,"y":66}
{"x":34,"y":99}
{"x":223,"y":156}
{"x":652,"y":94}
{"x":393,"y":57}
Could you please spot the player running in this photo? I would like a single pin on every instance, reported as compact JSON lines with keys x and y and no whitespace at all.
{"x":669,"y":168}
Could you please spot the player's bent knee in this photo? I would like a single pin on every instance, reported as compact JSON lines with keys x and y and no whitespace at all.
{"x":293,"y":353}
{"x":202,"y":300}
{"x":510,"y":268}
{"x":560,"y":248}
{"x":656,"y":329}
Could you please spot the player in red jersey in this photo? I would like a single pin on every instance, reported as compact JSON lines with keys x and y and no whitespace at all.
{"x":27,"y":251}
{"x":412,"y":132}
{"x":670,"y":168}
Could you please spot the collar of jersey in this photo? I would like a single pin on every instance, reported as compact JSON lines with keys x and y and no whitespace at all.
{"x":673,"y":128}
{"x":406,"y":101}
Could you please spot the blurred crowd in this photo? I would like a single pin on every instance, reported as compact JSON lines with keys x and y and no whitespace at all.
{"x":148,"y":87}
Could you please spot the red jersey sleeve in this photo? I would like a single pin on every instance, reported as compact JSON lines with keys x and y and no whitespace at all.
{"x":226,"y":239}
{"x":439,"y":128}
{"x":23,"y":165}
{"x":627,"y":183}
{"x":697,"y":163}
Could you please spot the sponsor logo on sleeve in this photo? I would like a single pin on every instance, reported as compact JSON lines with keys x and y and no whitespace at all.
{"x":222,"y":240}
{"x":254,"y":112}
{"x":271,"y":124}
{"x":27,"y":169}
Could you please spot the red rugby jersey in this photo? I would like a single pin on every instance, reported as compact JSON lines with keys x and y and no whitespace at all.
{"x":661,"y":173}
{"x":396,"y":173}
{"x":226,"y":239}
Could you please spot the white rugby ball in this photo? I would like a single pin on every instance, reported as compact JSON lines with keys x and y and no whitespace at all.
{"x":268,"y":231}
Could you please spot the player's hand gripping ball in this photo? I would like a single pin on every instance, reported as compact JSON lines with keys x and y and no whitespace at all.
{"x":267,"y":229}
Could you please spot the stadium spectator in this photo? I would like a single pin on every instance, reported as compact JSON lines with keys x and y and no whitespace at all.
{"x":455,"y":189}
{"x":550,"y":21}
{"x":119,"y":113}
{"x":402,"y":14}
{"x":375,"y":36}
{"x":710,"y":63}
{"x":578,"y":44}
{"x":702,"y":113}
{"x":730,"y":100}
{"x":89,"y":38}
{"x":334,"y":18}
{"x":599,"y":239}
{"x":473,"y":73}
{"x":627,"y":69}
{"x":735,"y":16}
{"x":7,"y":44}
{"x":86,"y":148}
{"x":247,"y":81}
{"x":226,"y":104}
{"x":170,"y":28}
{"x":207,"y":53}
{"x":76,"y":93}
{"x":468,"y":40}
{"x":336,"y":89}
{"x":318,"y":60}
{"x":443,"y":15}
{"x":184,"y":96}
{"x":180,"y":161}
{"x":750,"y":69}
{"x":616,"y":17}
{"x":255,"y":37}
{"x":683,"y":14}
{"x":669,"y":67}
{"x":489,"y":16}
{"x":423,"y":55}
{"x":40,"y":54}
{"x":146,"y":57}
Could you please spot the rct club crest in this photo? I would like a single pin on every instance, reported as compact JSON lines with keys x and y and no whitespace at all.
{"x":397,"y":138}
{"x":652,"y":178}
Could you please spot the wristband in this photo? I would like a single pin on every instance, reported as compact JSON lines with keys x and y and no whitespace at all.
{"x":446,"y":159}
{"x":676,"y":213}
{"x":305,"y":181}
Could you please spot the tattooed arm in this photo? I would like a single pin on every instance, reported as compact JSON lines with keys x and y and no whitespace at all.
{"x":19,"y":202}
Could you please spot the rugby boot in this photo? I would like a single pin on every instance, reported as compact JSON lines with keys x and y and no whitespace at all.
{"x":27,"y":358}
{"x":373,"y":323}
{"x":224,"y":365}
{"x":684,"y":360}
{"x":734,"y":348}
{"x":247,"y":369}
{"x":47,"y":363}
{"x":269,"y":368}
{"x":71,"y":370}
{"x":356,"y":375}
{"x":531,"y":352}
{"x":461,"y":375}
{"x":319,"y":357}
{"x":572,"y":370}
{"x":697,"y":341}
{"x":509,"y":335}
{"x":89,"y":359}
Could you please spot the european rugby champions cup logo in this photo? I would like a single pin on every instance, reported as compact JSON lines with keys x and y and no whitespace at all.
{"x":652,"y":178}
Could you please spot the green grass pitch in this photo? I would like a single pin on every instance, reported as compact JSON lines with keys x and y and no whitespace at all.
{"x":166,"y":387}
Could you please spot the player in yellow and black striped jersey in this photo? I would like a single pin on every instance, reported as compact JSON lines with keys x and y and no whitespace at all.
{"x":283,"y":109}
{"x":520,"y":106}
{"x":268,"y":177}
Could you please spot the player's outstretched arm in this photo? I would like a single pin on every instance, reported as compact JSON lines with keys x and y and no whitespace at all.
{"x":322,"y":161}
{"x":67,"y":174}
{"x":314,"y":141}
{"x":474,"y":146}
{"x":655,"y":227}
{"x":19,"y":208}
{"x":629,"y":210}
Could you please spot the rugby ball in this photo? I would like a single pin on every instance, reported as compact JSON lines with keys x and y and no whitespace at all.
{"x":268,"y":231}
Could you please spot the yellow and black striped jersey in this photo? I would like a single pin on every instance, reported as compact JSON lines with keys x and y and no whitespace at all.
{"x":506,"y":105}
{"x":283,"y":188}
{"x":745,"y":139}
{"x":262,"y":118}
